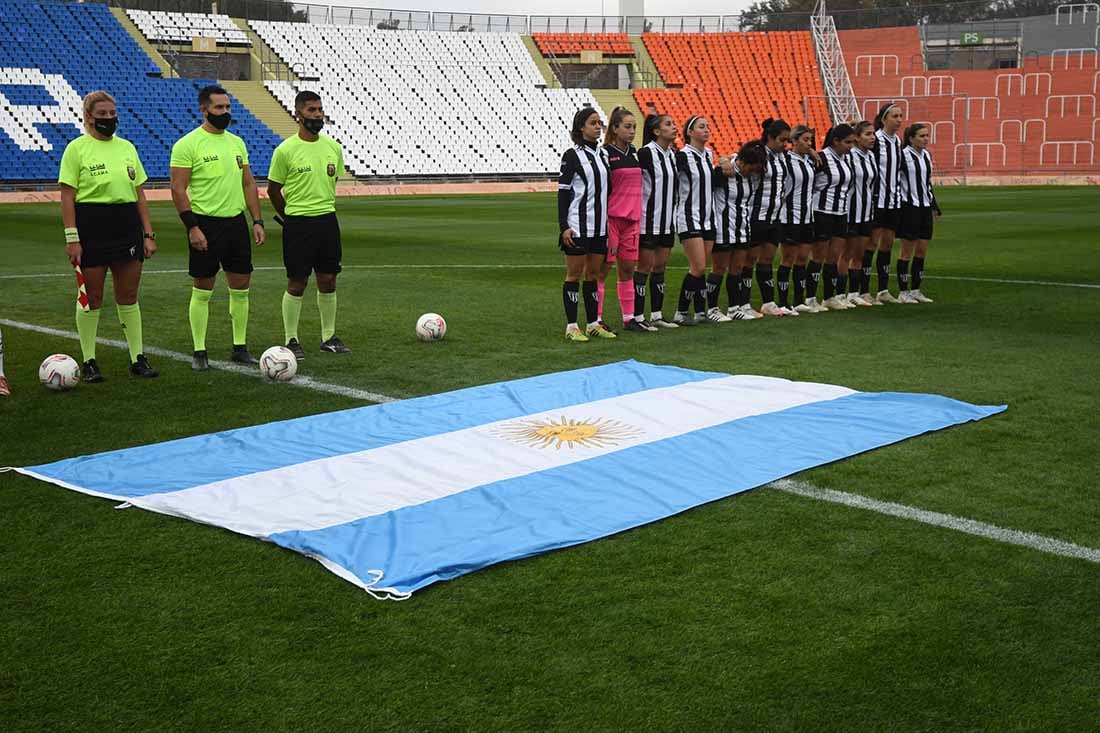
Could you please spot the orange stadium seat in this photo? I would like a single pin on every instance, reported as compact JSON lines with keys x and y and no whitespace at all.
{"x":571,"y":44}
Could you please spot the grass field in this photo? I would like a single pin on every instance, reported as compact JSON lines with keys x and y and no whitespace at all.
{"x":763,"y":611}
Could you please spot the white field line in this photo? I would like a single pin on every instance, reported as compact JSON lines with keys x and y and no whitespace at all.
{"x":959,"y":524}
{"x":1044,"y":283}
{"x":936,"y":519}
{"x":298,"y":381}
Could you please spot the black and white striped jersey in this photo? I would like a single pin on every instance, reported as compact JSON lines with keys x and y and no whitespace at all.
{"x":888,"y":154}
{"x":734,"y":203}
{"x":798,"y":187}
{"x":694,"y":204}
{"x":916,"y":178}
{"x":658,"y":189}
{"x":832,"y":183}
{"x":582,"y":191}
{"x":769,"y":196}
{"x":864,"y":178}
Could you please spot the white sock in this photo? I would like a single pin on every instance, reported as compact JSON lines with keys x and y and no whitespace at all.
{"x":594,"y":324}
{"x":656,"y":316}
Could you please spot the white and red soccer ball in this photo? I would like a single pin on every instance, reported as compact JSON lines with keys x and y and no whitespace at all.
{"x":431,"y":327}
{"x":59,"y":372}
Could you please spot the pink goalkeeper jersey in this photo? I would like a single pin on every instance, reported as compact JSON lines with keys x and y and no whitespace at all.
{"x":625,"y":199}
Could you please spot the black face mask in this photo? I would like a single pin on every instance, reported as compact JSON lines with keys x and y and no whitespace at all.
{"x":313,"y":126}
{"x":219,"y":121}
{"x":106,"y":126}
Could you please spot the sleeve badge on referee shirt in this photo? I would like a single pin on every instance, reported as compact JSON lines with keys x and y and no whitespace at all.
{"x":331,"y":170}
{"x":240,"y":162}
{"x":132,"y":172}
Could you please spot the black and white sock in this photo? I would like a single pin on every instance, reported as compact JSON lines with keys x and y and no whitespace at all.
{"x":746,"y":286}
{"x":882,"y":263}
{"x":783,"y":283}
{"x":813,"y":278}
{"x":856,"y":277}
{"x":828,"y":273}
{"x":657,"y":291}
{"x":714,"y":289}
{"x":733,"y":289}
{"x":799,"y":282}
{"x":570,"y":295}
{"x":842,"y":284}
{"x":903,"y":275}
{"x":591,"y":301}
{"x":639,"y":294}
{"x":868,"y":265}
{"x":918,"y":272}
{"x":765,"y":280}
{"x":686,"y":289}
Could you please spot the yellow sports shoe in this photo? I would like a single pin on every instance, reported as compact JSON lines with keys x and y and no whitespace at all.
{"x":573,"y":333}
{"x":600,"y":331}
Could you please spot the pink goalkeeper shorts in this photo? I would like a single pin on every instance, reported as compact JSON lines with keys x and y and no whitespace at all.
{"x":622,"y":238}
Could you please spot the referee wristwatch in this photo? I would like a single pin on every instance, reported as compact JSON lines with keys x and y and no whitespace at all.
{"x":149,"y":235}
{"x":258,"y":222}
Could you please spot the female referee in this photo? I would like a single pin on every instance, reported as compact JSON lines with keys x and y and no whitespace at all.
{"x":106,"y":220}
{"x":918,"y":205}
{"x":695,"y":217}
{"x":658,"y":160}
{"x":582,"y":221}
{"x":832,"y":191}
{"x":887,"y":194}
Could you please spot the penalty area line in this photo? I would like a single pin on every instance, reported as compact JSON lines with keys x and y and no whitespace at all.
{"x":299,"y":381}
{"x":1038,"y":542}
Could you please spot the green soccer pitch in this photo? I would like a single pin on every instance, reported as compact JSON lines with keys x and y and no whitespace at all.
{"x":767,"y":610}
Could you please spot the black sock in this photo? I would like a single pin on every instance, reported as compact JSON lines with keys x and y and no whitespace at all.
{"x":639,"y":293}
{"x":868,"y":265}
{"x":733,"y":289}
{"x":783,"y":282}
{"x":700,"y":295}
{"x":570,"y":294}
{"x":883,"y":266}
{"x":813,"y":277}
{"x":903,"y":275}
{"x":714,"y":289}
{"x":918,"y":272}
{"x":657,"y":291}
{"x":766,"y":282}
{"x":799,"y":284}
{"x":855,"y":276}
{"x":842,"y":284}
{"x":684,"y":302}
{"x":828,"y":273}
{"x":591,"y":301}
{"x":746,"y":286}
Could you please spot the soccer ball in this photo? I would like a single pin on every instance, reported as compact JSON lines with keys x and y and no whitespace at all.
{"x":278,"y":364}
{"x":430,"y":327}
{"x":59,"y":372}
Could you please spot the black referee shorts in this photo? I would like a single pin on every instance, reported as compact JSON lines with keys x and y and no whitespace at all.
{"x":311,"y":244}
{"x":228,"y":247}
{"x":109,"y":233}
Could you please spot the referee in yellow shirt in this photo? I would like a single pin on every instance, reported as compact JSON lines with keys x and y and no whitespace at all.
{"x":106,"y":220}
{"x":212,"y":184}
{"x":302,"y":188}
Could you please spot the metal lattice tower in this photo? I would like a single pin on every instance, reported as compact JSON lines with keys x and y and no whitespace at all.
{"x":843,"y":106}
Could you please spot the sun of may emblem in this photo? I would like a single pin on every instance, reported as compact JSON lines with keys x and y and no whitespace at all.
{"x":547,"y":433}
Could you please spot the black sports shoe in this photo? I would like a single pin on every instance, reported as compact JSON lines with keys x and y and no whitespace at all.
{"x":200,"y":362}
{"x":635,"y":326}
{"x":335,"y":346}
{"x":141,"y":368}
{"x":241,"y":356}
{"x":296,"y":349}
{"x":90,"y":372}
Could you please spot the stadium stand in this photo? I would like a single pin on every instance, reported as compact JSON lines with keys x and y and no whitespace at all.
{"x":1041,"y":118}
{"x":54,"y":53}
{"x":736,"y":80}
{"x":167,"y":27}
{"x":428,"y":103}
{"x":571,"y":44}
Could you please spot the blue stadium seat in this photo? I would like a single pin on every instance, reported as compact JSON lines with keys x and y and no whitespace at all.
{"x":86,"y":45}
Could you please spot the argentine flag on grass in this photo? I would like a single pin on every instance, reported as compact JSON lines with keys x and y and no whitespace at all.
{"x":395,"y":497}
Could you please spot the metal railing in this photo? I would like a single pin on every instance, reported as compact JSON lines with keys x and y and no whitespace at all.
{"x":840,"y":96}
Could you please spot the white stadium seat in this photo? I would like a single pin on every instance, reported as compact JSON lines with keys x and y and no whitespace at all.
{"x":165,"y":27}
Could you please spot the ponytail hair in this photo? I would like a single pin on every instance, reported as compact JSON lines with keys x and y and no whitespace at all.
{"x":771,"y":129}
{"x":753,"y":153}
{"x":618,"y":114}
{"x":882,"y":112}
{"x":576,"y":133}
{"x":691,"y":122}
{"x":839,"y":132}
{"x":911,"y":132}
{"x":649,"y":128}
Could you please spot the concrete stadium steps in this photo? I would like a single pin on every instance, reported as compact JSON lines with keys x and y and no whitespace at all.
{"x":260,"y":53}
{"x":259,"y":101}
{"x":609,"y":99}
{"x":644,"y":62}
{"x":540,"y":61}
{"x":129,"y":27}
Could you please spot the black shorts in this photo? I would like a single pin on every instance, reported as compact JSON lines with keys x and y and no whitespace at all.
{"x":862,"y":229}
{"x":887,"y":219}
{"x":798,"y":233}
{"x":228,"y":246}
{"x":109,"y":233}
{"x":916,"y":222}
{"x":584,"y":246}
{"x":311,"y":244}
{"x":766,"y":232}
{"x":657,"y":241}
{"x":827,"y":226}
{"x":705,"y":234}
